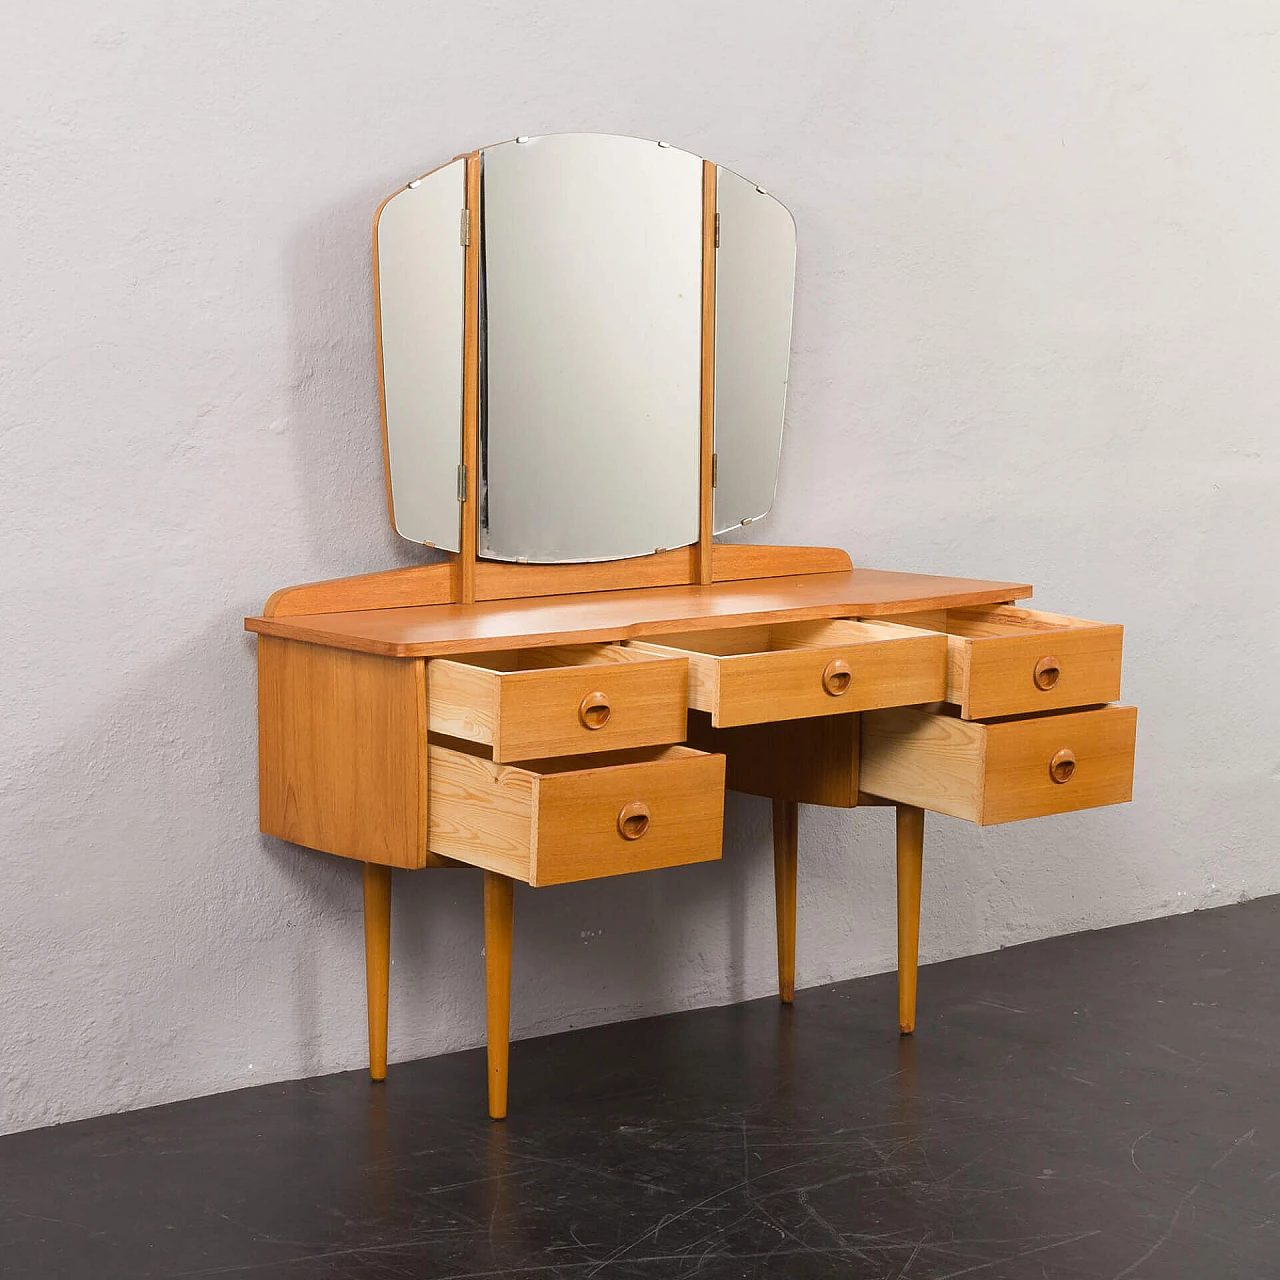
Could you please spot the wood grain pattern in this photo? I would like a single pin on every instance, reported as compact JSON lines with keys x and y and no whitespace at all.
{"x":813,"y":761}
{"x":421,"y":584}
{"x":441,"y":630}
{"x":910,"y":859}
{"x":578,"y":836}
{"x":993,"y":653}
{"x":784,"y":672}
{"x":499,"y":918}
{"x":469,"y":544}
{"x":342,"y":752}
{"x":554,"y":821}
{"x":1020,"y":783}
{"x":999,"y":772}
{"x":708,"y":417}
{"x":481,"y":813}
{"x":786,"y":841}
{"x":526,"y":705}
{"x":437,"y":583}
{"x":377,"y":962}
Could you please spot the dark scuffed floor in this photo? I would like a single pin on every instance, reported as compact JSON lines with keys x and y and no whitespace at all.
{"x":1103,"y":1105}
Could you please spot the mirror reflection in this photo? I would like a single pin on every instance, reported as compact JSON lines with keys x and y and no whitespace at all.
{"x":589,"y":309}
{"x":419,"y":278}
{"x":591,"y":360}
{"x":755,"y":269}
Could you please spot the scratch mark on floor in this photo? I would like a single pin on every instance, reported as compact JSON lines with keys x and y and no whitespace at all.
{"x":1180,"y":1206}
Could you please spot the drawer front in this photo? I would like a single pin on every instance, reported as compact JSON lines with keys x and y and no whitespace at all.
{"x":560,"y":710}
{"x":1057,"y":764}
{"x":555,"y":821}
{"x":812,"y":673}
{"x":1027,"y":661}
{"x":1004,"y":772}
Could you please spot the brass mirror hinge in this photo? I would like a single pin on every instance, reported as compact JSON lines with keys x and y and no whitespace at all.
{"x":462,"y":482}
{"x":464,"y":233}
{"x":715,"y":469}
{"x":717,"y":230}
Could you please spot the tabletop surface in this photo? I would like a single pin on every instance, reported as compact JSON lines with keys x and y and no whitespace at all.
{"x":434,"y":630}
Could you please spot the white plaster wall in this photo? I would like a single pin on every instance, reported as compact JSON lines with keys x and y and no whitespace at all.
{"x":1036,"y":338}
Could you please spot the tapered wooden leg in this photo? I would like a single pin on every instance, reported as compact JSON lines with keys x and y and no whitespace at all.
{"x":377,"y":961}
{"x":786,"y":839}
{"x":910,"y":870}
{"x":498,"y":919}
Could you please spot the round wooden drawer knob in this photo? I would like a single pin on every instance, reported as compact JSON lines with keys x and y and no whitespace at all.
{"x":594,"y":710}
{"x":1046,"y":674}
{"x":836,"y":677}
{"x":633,"y":820}
{"x":1062,"y":765}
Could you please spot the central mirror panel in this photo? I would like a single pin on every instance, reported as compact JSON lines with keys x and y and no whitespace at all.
{"x":591,"y":348}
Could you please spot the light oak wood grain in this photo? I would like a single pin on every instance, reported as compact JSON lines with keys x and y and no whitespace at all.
{"x":342,"y":740}
{"x":812,"y":761}
{"x":998,"y":772}
{"x":377,"y":962}
{"x":557,"y":820}
{"x":437,"y":583}
{"x":527,"y":704}
{"x":469,"y":544}
{"x":499,"y":918}
{"x":996,"y":655}
{"x":786,"y":841}
{"x":708,"y":417}
{"x":803,"y":669}
{"x":910,"y":851}
{"x":441,"y":630}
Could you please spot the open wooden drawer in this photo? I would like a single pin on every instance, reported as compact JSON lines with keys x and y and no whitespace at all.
{"x":1003,"y":660}
{"x":532,"y":703}
{"x":749,"y":675}
{"x":553,"y":821}
{"x":1001,"y":771}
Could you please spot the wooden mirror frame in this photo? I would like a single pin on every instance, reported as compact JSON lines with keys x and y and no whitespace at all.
{"x":463,"y":577}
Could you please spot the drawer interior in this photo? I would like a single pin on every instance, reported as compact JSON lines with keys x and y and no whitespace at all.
{"x":795,"y":670}
{"x":605,"y":760}
{"x":533,"y":703}
{"x":565,"y":655}
{"x":987,"y":621}
{"x":733,"y":641}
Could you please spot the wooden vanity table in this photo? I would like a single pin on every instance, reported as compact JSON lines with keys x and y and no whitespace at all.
{"x":582,"y":717}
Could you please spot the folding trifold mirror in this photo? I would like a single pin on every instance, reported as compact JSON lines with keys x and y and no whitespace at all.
{"x":630,"y":299}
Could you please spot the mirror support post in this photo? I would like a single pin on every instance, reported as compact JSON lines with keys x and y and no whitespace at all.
{"x":706,"y":506}
{"x":471,"y":391}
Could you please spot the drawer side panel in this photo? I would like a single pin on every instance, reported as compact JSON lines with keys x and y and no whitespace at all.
{"x":481,"y":813}
{"x":931,"y":761}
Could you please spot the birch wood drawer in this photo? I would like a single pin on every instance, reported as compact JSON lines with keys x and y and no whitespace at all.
{"x":749,"y":675}
{"x":553,"y":821}
{"x":1003,"y":771}
{"x":532,"y":703}
{"x":1002,"y":660}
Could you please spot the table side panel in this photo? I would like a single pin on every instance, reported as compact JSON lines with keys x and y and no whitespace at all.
{"x":342,"y":740}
